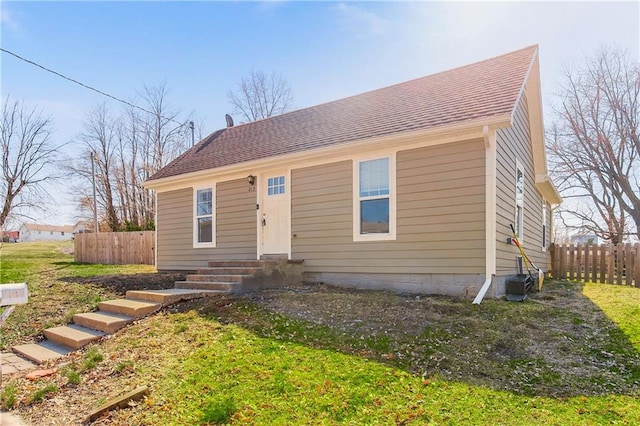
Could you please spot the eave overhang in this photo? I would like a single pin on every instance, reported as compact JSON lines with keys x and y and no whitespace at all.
{"x":432,"y":136}
{"x":533,"y":93}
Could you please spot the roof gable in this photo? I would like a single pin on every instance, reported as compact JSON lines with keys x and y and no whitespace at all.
{"x":483,"y":90}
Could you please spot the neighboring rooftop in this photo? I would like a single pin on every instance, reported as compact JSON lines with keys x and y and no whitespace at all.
{"x":483,"y":90}
{"x":48,"y":228}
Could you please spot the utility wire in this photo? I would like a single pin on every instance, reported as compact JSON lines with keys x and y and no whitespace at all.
{"x":86,"y":86}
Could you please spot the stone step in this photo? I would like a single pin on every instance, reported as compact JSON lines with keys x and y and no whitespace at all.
{"x":133,"y":308}
{"x":102,"y":320}
{"x":239,"y":263}
{"x":41,"y":352}
{"x":73,"y":336}
{"x":229,"y":287}
{"x":169,"y":296}
{"x":229,"y":270}
{"x":217,"y":278}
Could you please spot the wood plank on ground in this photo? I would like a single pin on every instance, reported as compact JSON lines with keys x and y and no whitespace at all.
{"x":118,"y":402}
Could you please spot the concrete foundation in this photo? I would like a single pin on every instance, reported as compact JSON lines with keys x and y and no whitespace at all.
{"x":458,"y":285}
{"x":275,"y":274}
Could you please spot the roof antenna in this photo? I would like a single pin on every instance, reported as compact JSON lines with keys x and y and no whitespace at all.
{"x":229,"y":120}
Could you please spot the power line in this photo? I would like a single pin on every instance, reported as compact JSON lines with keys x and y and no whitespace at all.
{"x":86,"y":86}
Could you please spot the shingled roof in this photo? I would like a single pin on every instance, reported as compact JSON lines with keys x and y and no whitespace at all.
{"x":483,"y":90}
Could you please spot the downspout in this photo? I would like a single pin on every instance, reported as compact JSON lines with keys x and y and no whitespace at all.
{"x":155,"y":234}
{"x":490,"y":211}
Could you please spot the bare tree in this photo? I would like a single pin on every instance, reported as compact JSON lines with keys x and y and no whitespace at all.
{"x":595,"y":144}
{"x":129,"y":148}
{"x":261,"y":96}
{"x":101,"y":139}
{"x":27,"y":152}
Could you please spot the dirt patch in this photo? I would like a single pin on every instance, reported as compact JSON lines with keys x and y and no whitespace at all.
{"x":556,"y":343}
{"x":120,"y":284}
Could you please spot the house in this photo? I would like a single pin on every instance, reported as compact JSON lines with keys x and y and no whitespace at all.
{"x":411,"y":187}
{"x":34,"y":232}
{"x":82,"y":227}
{"x":10,"y":236}
{"x":585,"y":239}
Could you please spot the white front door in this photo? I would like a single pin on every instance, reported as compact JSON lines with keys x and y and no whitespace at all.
{"x":275,"y":213}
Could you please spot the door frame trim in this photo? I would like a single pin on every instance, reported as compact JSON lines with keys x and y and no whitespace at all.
{"x":262,"y":189}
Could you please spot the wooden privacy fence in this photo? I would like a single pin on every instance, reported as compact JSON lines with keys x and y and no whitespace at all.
{"x":116,"y":248}
{"x":608,"y":264}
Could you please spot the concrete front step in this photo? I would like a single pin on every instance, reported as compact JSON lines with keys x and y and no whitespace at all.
{"x":229,"y":270}
{"x":169,"y":296}
{"x":41,"y":352}
{"x":73,"y":336}
{"x":103,"y":321}
{"x":217,"y":278}
{"x":227,"y":287}
{"x":133,"y":308}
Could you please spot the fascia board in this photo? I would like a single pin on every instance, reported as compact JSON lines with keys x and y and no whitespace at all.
{"x":433,"y":136}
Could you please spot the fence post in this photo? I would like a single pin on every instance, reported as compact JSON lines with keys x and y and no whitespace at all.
{"x":579,"y":260}
{"x":587,"y":248}
{"x":619,"y":263}
{"x":596,"y":253}
{"x":636,"y":278}
{"x":628,"y":264}
{"x":572,"y":263}
{"x":563,"y":262}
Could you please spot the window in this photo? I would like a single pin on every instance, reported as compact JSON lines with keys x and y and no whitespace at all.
{"x":544,"y":226}
{"x":204,"y":224}
{"x":374,"y":209}
{"x":519,"y":219}
{"x":275,"y":185}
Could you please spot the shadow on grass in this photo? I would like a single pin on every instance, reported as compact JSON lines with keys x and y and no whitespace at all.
{"x":557,"y":343}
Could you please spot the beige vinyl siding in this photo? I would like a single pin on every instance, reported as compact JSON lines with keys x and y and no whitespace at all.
{"x":440,"y":215}
{"x":512,"y":143}
{"x":235,"y":227}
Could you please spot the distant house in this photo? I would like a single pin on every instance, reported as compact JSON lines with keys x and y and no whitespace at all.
{"x":411,"y":187}
{"x":35,"y":232}
{"x":585,"y":239}
{"x":82,"y":227}
{"x":10,"y":236}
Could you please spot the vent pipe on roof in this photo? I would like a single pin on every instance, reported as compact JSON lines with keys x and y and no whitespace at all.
{"x":229,"y":120}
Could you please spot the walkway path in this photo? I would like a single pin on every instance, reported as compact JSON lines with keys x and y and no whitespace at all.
{"x":8,"y":419}
{"x":11,"y":363}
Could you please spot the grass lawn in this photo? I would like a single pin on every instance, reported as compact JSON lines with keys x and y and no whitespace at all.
{"x":46,"y":267}
{"x":236,"y":360}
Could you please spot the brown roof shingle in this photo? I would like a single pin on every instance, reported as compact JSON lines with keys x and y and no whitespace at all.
{"x":482,"y":90}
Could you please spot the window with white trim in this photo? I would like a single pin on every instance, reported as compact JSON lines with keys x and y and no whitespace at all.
{"x":519,"y":202}
{"x":374,"y":201}
{"x":204,"y":218}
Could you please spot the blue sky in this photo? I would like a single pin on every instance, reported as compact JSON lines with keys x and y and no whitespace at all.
{"x":326,"y":50}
